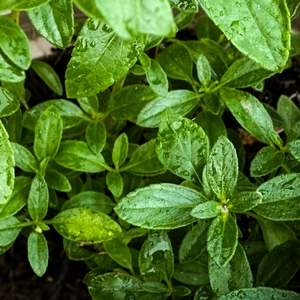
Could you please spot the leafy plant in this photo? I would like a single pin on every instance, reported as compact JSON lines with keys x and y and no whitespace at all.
{"x":141,"y":174}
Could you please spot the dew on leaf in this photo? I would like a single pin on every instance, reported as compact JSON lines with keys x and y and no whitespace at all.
{"x":93,"y":24}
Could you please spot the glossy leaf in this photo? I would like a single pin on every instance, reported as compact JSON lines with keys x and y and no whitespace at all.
{"x":99,"y":58}
{"x":194,"y":273}
{"x":38,"y":254}
{"x":54,"y":21}
{"x":205,"y":28}
{"x":10,"y":72}
{"x":114,"y":182}
{"x":168,"y":201}
{"x":9,"y":230}
{"x":207,"y":210}
{"x":57,"y":181}
{"x":21,"y":4}
{"x":83,"y":224}
{"x":222,"y":168}
{"x":181,"y":101}
{"x":8,"y":103}
{"x":120,"y":150}
{"x":96,"y":137}
{"x":244,"y":201}
{"x":74,"y":251}
{"x":89,"y":104}
{"x":203,"y":70}
{"x":294,"y":149}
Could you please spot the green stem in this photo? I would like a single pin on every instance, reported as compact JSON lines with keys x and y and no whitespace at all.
{"x":15,"y":16}
{"x":286,"y":168}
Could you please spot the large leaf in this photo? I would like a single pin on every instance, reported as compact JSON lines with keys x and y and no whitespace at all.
{"x":54,"y":21}
{"x":21,"y":4}
{"x":182,"y":146}
{"x":265,"y":39}
{"x":99,"y":58}
{"x":83,"y":224}
{"x":169,"y":207}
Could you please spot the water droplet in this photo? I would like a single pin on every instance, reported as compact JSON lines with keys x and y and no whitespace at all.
{"x":221,"y":13}
{"x":93,"y":44}
{"x":81,"y":44}
{"x":238,"y":4}
{"x":241,"y":294}
{"x":106,"y":28}
{"x":93,"y":24}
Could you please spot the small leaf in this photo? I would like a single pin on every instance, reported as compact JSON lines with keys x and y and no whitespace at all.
{"x":244,"y":201}
{"x":96,"y":137}
{"x":38,"y":254}
{"x":9,"y":230}
{"x":203,"y":70}
{"x":114,"y":182}
{"x":83,"y":224}
{"x":74,"y":250}
{"x":89,"y":104}
{"x":207,"y":210}
{"x":205,"y":28}
{"x":120,"y":150}
{"x":57,"y":181}
{"x":193,"y":273}
{"x":9,"y":104}
{"x":293,"y":148}
{"x":181,"y":291}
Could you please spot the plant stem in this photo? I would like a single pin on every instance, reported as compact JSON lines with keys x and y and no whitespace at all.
{"x":15,"y":16}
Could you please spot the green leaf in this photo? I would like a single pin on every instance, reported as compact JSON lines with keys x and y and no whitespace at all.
{"x":156,"y":259}
{"x":279,"y":266}
{"x":157,"y":78}
{"x":119,"y":252}
{"x":222,"y":238}
{"x":169,"y":208}
{"x":205,"y":28}
{"x":250,"y":113}
{"x":266,"y":161}
{"x":54,"y":21}
{"x":280,"y":198}
{"x":89,"y":104}
{"x":274,"y":232}
{"x":38,"y":198}
{"x":260,"y":293}
{"x":181,"y":101}
{"x":90,"y":199}
{"x":193,"y":244}
{"x":182,"y":146}
{"x":194,"y":273}
{"x":222,"y":168}
{"x":184,"y":19}
{"x":244,"y":73}
{"x":38,"y":253}
{"x":207,"y":210}
{"x":83,"y":224}
{"x":181,"y":291}
{"x":114,"y":182}
{"x":293,"y":148}
{"x":77,"y":156}
{"x":70,"y":113}
{"x":9,"y":230}
{"x":24,"y":158}
{"x":155,"y":287}
{"x":95,"y":135}
{"x":129,"y":18}
{"x":292,"y":6}
{"x":10,"y":72}
{"x":9,"y":104}
{"x":230,"y":278}
{"x":266,"y":39}
{"x":7,"y":175}
{"x":48,"y":75}
{"x":48,"y":133}
{"x":204,"y":292}
{"x":203,"y":70}
{"x":99,"y":58}
{"x":21,"y":4}
{"x":129,"y":101}
{"x":14,"y":43}
{"x":244,"y":201}
{"x":255,"y":251}
{"x":57,"y":181}
{"x":75,"y":251}
{"x":176,"y":62}
{"x":120,"y":150}
{"x":144,"y":161}
{"x":186,"y":6}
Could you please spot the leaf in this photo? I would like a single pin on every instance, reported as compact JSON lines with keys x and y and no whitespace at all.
{"x":222,"y":238}
{"x":266,"y":161}
{"x":207,"y":210}
{"x":222,"y":168}
{"x":155,"y":287}
{"x":74,"y":251}
{"x":77,"y":156}
{"x":203,"y":70}
{"x":156,"y":259}
{"x":204,"y":292}
{"x":181,"y":101}
{"x":129,"y":101}
{"x":129,"y":18}
{"x":85,"y":225}
{"x":244,"y":73}
{"x":14,"y":43}
{"x":293,"y":148}
{"x":194,"y":273}
{"x":183,"y":19}
{"x":186,"y":6}
{"x":21,"y":4}
{"x":250,"y":113}
{"x":9,"y":104}
{"x":48,"y":75}
{"x":38,"y":253}
{"x":157,"y":78}
{"x":7,"y":175}
{"x":54,"y":21}
{"x":266,"y":39}
{"x":48,"y":133}
{"x":119,"y":252}
{"x":182,"y":146}
{"x":114,"y":182}
{"x":95,"y":135}
{"x":144,"y":161}
{"x":280,"y":198}
{"x":9,"y":230}
{"x":24,"y":158}
{"x":260,"y":293}
{"x":57,"y":181}
{"x":38,"y":198}
{"x":120,"y":150}
{"x":14,"y":126}
{"x":255,"y":251}
{"x":176,"y":62}
{"x":70,"y":113}
{"x":169,"y":208}
{"x":89,"y":104}
{"x":99,"y":58}
{"x":205,"y":28}
{"x":292,"y":6}
{"x":10,"y":72}
{"x":244,"y":201}
{"x":278,"y":267}
{"x":90,"y":199}
{"x":230,"y":278}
